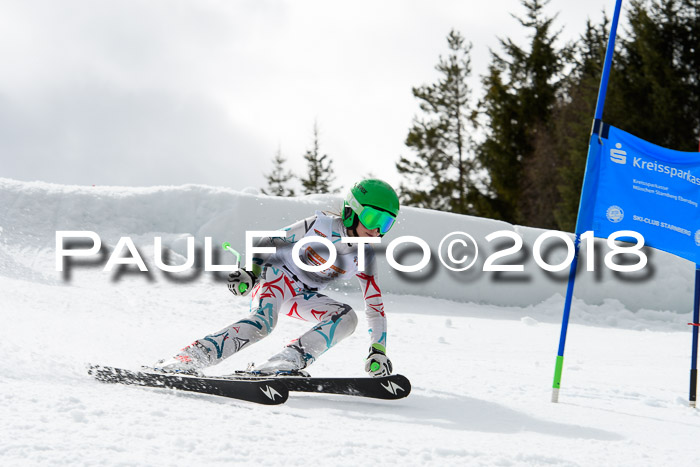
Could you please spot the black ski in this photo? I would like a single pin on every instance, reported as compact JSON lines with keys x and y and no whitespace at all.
{"x":261,"y":390}
{"x":385,"y":387}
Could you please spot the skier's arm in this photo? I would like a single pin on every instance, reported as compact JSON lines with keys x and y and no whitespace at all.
{"x":374,"y":303}
{"x":377,"y":363}
{"x":295,"y":232}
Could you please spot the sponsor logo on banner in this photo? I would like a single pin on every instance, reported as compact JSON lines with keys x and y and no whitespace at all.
{"x":617,"y":155}
{"x":697,"y":237}
{"x":615,"y":214}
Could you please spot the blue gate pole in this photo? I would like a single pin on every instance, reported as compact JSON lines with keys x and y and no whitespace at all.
{"x":556,"y":385}
{"x":603,"y":89}
{"x":600,"y":104}
{"x":694,"y":352}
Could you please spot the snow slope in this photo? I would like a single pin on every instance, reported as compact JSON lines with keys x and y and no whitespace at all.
{"x":481,"y":364}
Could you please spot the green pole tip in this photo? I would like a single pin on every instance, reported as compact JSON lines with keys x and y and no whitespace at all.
{"x":226,"y":245}
{"x":558,"y":368}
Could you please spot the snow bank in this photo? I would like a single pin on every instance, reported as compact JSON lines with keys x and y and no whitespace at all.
{"x":31,"y":213}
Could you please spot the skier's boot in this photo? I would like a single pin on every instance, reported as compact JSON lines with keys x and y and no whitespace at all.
{"x":289,"y":362}
{"x":189,"y":361}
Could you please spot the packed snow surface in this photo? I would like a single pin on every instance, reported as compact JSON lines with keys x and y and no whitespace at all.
{"x":481,"y":363}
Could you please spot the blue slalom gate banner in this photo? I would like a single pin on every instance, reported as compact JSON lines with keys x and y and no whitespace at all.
{"x":632,"y":184}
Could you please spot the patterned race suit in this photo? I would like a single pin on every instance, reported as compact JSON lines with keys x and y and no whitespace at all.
{"x":283,"y":288}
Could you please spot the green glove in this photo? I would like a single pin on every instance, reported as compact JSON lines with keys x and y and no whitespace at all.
{"x":377,"y":364}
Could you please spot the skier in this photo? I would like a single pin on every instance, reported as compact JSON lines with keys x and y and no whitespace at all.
{"x":278,"y":286}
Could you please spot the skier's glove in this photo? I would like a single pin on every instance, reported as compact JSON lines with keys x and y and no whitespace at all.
{"x":377,"y":363}
{"x":241,"y":282}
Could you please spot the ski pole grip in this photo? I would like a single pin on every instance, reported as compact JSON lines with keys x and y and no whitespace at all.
{"x":227,"y":246}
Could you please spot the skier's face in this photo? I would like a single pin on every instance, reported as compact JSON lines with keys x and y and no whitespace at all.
{"x":363,"y":231}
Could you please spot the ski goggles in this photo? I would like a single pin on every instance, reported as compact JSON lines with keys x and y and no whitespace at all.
{"x":370,"y":217}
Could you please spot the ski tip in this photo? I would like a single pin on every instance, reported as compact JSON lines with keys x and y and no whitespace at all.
{"x":91,"y":369}
{"x":398,"y":385}
{"x":275,"y":393}
{"x":102,"y":373}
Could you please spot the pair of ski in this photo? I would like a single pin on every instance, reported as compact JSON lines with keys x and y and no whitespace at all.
{"x":261,"y":390}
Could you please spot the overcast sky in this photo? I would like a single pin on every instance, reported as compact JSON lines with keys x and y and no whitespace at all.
{"x":168,"y":92}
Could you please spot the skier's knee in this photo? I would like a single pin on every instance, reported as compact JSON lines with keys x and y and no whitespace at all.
{"x":349,"y":318}
{"x":353,"y":320}
{"x":265,"y":326}
{"x":262,"y":322}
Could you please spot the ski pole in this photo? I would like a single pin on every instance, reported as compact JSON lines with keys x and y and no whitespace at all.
{"x":227,"y":246}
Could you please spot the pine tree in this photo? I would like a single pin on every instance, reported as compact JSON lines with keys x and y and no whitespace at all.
{"x":573,"y":119}
{"x":319,"y":175}
{"x":521,"y":90}
{"x":659,"y":72}
{"x":439,"y":176}
{"x":279,"y":177}
{"x":653,"y":91}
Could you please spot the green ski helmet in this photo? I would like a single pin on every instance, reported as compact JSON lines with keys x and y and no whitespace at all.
{"x":372,"y":202}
